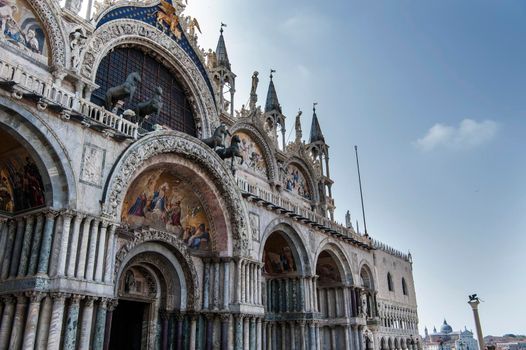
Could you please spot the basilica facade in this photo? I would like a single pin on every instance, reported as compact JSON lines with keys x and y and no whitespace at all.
{"x":140,"y":210}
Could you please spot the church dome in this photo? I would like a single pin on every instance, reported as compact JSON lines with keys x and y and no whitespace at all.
{"x":446,"y":328}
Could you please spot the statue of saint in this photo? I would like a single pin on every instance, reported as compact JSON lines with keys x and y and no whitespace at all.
{"x":255,"y":81}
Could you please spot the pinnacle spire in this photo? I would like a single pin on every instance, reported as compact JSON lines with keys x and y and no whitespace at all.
{"x":221,"y":54}
{"x":272,"y":97}
{"x":315,"y":129}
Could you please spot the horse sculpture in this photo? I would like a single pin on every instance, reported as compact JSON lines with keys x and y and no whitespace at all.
{"x":232,"y":151}
{"x":218,"y":139}
{"x":151,"y":106}
{"x":127,"y":89}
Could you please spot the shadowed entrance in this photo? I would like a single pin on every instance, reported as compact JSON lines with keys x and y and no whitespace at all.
{"x":128,"y":324}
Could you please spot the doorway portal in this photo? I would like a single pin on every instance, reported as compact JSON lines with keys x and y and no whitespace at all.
{"x":127,"y":325}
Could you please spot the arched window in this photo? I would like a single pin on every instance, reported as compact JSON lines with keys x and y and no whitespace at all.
{"x":404,"y":286}
{"x":176,"y":112}
{"x":390,"y":282}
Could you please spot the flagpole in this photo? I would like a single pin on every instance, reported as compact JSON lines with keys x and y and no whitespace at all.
{"x":360,"y":183}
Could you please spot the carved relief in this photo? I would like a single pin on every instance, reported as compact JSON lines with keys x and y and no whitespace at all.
{"x":93,"y":158}
{"x":254,"y":225}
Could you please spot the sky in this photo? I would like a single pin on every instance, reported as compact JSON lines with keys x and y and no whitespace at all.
{"x":433,"y":93}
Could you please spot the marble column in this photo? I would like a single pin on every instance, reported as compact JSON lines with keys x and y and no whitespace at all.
{"x":206,"y":284}
{"x":346,"y":337}
{"x":11,"y":231}
{"x":252,"y":344}
{"x":226,"y":284}
{"x":3,"y":238}
{"x":225,"y":326}
{"x":238,"y":341}
{"x":258,"y":288}
{"x":26,"y":246}
{"x":242,"y":277}
{"x":193,"y":318}
{"x":35,"y":246}
{"x":7,"y":319}
{"x":259,"y":335}
{"x":17,"y":247}
{"x":81,"y":267}
{"x":92,"y":250}
{"x":312,"y":336}
{"x":47,"y":238}
{"x":283,"y":335}
{"x":57,"y":318}
{"x":292,"y":336}
{"x":32,"y":320}
{"x":303,"y":338}
{"x":44,"y":321}
{"x":101,"y":251}
{"x":110,"y":255}
{"x":112,"y":304}
{"x":179,"y":317}
{"x":100,"y":325}
{"x":209,"y":331}
{"x":246,"y":333}
{"x":64,"y":243}
{"x":264,"y":335}
{"x":18,"y":327}
{"x":215,"y":297}
{"x":70,"y":336}
{"x":73,"y":246}
{"x":87,"y":321}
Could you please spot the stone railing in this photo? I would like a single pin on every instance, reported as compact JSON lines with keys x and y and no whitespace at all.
{"x":48,"y":95}
{"x":277,"y":202}
{"x":389,"y":250}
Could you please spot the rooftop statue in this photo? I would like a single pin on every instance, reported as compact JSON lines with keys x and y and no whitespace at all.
{"x":218,"y":138}
{"x":232,"y":151}
{"x":150,"y":106}
{"x":125,"y":90}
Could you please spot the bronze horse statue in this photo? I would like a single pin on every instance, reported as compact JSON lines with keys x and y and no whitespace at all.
{"x":232,"y":151}
{"x":151,"y":106}
{"x":218,"y":139}
{"x":127,"y":89}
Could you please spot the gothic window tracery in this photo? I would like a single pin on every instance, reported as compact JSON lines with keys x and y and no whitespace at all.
{"x":176,"y":112}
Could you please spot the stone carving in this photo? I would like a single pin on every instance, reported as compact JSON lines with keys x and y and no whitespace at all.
{"x":78,"y":40}
{"x":218,"y":138}
{"x":125,"y":90}
{"x":92,"y":165}
{"x":167,"y":14}
{"x":151,"y":106}
{"x":119,"y":32}
{"x":185,"y":146}
{"x":254,"y":226}
{"x":363,"y":304}
{"x":181,"y":252}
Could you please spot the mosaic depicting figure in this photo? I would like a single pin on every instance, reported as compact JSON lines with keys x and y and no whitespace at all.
{"x":277,"y":256}
{"x":296,"y":183}
{"x":252,"y":154}
{"x":21,"y":185}
{"x":161,"y":200}
{"x":20,"y":28}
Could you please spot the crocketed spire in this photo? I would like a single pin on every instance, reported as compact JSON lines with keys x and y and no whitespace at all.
{"x":315,"y":130}
{"x":221,"y":54}
{"x":272,"y":102}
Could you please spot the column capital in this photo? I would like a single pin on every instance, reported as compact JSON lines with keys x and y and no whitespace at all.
{"x":224,"y":317}
{"x":89,"y":301}
{"x":20,"y":297}
{"x":112,"y":304}
{"x":8,"y":299}
{"x":103,"y":303}
{"x":51,"y":213}
{"x":76,"y":298}
{"x":35,"y":296}
{"x":58,"y":296}
{"x":105,"y":223}
{"x":67,"y":213}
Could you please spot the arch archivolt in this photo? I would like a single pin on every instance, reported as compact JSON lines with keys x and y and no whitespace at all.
{"x":49,"y":13}
{"x":49,"y":153}
{"x":308,"y":172}
{"x":365,"y":265}
{"x":131,"y":32}
{"x":293,"y":237}
{"x":171,"y":257}
{"x":339,"y":256}
{"x":228,"y":212}
{"x":264,"y":143}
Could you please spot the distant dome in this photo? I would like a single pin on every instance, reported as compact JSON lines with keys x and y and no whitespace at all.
{"x":446,"y":328}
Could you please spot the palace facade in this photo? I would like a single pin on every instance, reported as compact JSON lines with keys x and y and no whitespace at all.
{"x":140,"y":210}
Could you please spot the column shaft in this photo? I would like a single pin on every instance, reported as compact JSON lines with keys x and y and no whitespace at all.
{"x":35,"y":247}
{"x":73,"y":246}
{"x":85,"y":330}
{"x":63,"y":252}
{"x":26,"y":246}
{"x":57,"y":318}
{"x":17,"y":330}
{"x":226,"y":284}
{"x":45,"y":249}
{"x":44,"y":321}
{"x":92,"y":250}
{"x":81,"y":266}
{"x":32,"y":321}
{"x":70,"y":337}
{"x":215,"y":296}
{"x":7,"y":320}
{"x":110,"y":255}
{"x":206,"y":285}
{"x":101,"y":252}
{"x":100,"y":325}
{"x":17,"y":247}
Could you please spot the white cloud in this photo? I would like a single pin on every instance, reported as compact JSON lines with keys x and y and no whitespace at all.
{"x":468,"y":134}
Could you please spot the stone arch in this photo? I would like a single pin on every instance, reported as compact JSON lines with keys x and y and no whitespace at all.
{"x":383,"y":344}
{"x":131,"y":32}
{"x":261,"y":139}
{"x":295,"y":241}
{"x":364,"y":267}
{"x":171,"y":258}
{"x":193,"y":157}
{"x":43,"y":145}
{"x":308,"y":172}
{"x":339,"y":257}
{"x":49,"y":13}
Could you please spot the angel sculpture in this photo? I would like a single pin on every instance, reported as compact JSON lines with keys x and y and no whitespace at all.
{"x":168,"y":14}
{"x":192,"y":25}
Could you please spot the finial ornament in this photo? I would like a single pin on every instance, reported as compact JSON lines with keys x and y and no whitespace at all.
{"x":222,"y":26}
{"x":314,"y":106}
{"x":272,"y":71}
